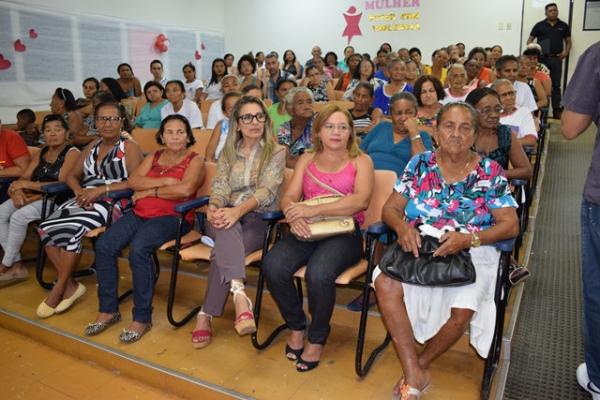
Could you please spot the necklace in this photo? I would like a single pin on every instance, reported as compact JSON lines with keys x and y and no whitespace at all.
{"x":454,"y":178}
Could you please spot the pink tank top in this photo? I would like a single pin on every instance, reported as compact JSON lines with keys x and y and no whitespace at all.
{"x":342,"y":181}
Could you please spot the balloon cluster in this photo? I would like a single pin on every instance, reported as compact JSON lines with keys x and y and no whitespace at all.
{"x":161,"y":43}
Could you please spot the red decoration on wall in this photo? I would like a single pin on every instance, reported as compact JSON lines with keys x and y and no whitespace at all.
{"x":352,"y":17}
{"x":33,"y":34}
{"x":4,"y":63}
{"x":19,"y":46}
{"x":161,"y":43}
{"x":197,"y":55}
{"x":202,"y":46}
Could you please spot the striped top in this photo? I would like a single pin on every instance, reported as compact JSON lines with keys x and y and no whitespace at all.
{"x":362,"y":121}
{"x":111,"y":169}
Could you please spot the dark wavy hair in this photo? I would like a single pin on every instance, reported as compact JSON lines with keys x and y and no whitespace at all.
{"x":188,"y":129}
{"x":250,"y":59}
{"x":476,"y":95}
{"x":437,"y":85}
{"x":55,"y":117}
{"x":160,"y":87}
{"x":114,"y":88}
{"x":67,"y":96}
{"x":213,"y":77}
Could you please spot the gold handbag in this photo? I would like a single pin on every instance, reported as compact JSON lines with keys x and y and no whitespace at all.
{"x":323,"y":227}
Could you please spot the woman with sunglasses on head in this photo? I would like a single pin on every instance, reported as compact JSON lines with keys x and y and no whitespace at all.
{"x":103,"y":166}
{"x":249,"y":173}
{"x":50,"y":165}
{"x":497,"y":141}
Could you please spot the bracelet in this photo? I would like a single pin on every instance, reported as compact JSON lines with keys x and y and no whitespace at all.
{"x":416,"y":137}
{"x":155,"y":192}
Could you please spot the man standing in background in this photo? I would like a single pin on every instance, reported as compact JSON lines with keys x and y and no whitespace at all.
{"x":554,"y":36}
{"x":582,"y":106}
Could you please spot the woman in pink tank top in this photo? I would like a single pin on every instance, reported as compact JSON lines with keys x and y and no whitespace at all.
{"x":337,"y":162}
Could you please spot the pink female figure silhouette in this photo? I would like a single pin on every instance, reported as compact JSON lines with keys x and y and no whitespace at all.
{"x":352,"y":18}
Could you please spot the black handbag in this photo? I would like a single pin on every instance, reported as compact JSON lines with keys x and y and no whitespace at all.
{"x":427,"y":270}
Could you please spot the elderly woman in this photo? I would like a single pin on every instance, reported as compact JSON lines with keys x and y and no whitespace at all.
{"x":412,"y":73}
{"x":338,"y":162}
{"x":525,"y":75}
{"x":51,"y":164}
{"x":457,"y":79}
{"x":391,"y":145}
{"x":480,"y":55}
{"x":353,"y":62}
{"x":278,"y":111}
{"x":518,"y":119}
{"x":150,"y":116}
{"x":452,"y":187}
{"x":364,"y":73}
{"x":63,"y":103}
{"x":497,"y":141}
{"x":102,"y":167}
{"x":249,"y":173}
{"x":429,"y":92}
{"x":473,"y":69}
{"x":178,"y":104}
{"x":322,"y":90}
{"x":129,"y":83}
{"x":364,"y":115}
{"x":164,"y":179}
{"x":194,"y":87}
{"x":296,"y":134}
{"x":229,"y":84}
{"x":395,"y":70}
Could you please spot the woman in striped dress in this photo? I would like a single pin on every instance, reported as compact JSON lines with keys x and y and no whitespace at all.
{"x":102,"y":167}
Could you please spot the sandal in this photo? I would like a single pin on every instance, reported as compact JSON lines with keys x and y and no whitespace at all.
{"x":293,"y":354}
{"x":406,"y":391}
{"x":129,"y":336}
{"x":202,"y":337}
{"x":518,"y":273}
{"x":244,"y":323}
{"x":308,"y":364}
{"x":96,"y":327}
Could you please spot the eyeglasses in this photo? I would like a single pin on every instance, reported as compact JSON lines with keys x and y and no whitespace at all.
{"x":105,"y":120}
{"x":340,"y":128}
{"x":491,"y":110}
{"x":247,"y":119}
{"x":508,"y":94}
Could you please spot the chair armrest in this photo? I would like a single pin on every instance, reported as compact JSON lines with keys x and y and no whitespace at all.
{"x":272,"y":216}
{"x":378,"y":228}
{"x":505,"y":245}
{"x":120,"y":194}
{"x":191,"y":204}
{"x":54,"y":188}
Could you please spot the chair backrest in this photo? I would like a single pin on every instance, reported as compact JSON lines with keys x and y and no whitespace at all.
{"x":139,"y":105}
{"x":382,"y":189}
{"x":33,"y":151}
{"x":39,"y":116}
{"x":146,"y":139}
{"x":202,"y":137}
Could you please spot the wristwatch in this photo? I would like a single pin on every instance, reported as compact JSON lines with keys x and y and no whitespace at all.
{"x":475,"y":242}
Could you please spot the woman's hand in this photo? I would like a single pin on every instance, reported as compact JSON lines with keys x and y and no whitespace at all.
{"x":18,"y":198}
{"x":300,"y":228}
{"x":85,"y":197}
{"x":297,"y":211}
{"x":410,"y":240}
{"x":452,"y":243}
{"x":223,"y":218}
{"x":138,"y":195}
{"x":18,"y":185}
{"x":412,"y":125}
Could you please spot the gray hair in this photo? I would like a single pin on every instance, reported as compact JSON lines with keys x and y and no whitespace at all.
{"x":391,"y":60}
{"x":289,"y":97}
{"x":231,"y":76}
{"x":460,"y":104}
{"x":404,"y":96}
{"x":500,"y":82}
{"x":455,"y":65}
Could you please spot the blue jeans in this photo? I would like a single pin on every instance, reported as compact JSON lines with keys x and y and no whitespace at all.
{"x":144,"y":237}
{"x":590,"y":263}
{"x":324,"y":260}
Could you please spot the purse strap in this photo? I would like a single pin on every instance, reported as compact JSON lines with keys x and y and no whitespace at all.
{"x":322,"y":184}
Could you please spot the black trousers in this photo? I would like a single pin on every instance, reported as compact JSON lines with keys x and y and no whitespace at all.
{"x":554,"y":64}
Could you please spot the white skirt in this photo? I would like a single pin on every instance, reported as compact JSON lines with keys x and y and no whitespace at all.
{"x":429,"y":307}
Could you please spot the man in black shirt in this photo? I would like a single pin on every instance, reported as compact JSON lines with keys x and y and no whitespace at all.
{"x":554,"y":36}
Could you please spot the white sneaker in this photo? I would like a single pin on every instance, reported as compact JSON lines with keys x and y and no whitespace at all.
{"x":584,"y":381}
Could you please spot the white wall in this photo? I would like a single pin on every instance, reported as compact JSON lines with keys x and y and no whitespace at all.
{"x":581,"y":39}
{"x":282,"y":24}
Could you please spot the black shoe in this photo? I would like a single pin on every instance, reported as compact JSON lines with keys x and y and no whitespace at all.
{"x":293,"y":354}
{"x":518,"y":274}
{"x":309,"y":365}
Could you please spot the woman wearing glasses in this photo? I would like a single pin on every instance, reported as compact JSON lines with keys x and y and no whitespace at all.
{"x":497,"y":141}
{"x":335,"y":164}
{"x":102,"y":167}
{"x":249,"y":173}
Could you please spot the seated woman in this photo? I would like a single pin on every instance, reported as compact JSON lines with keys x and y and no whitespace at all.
{"x":296,"y":134}
{"x":101,"y":167}
{"x":454,"y":187}
{"x":497,"y":141}
{"x":278,"y":111}
{"x":84,"y":105}
{"x":353,"y":62}
{"x":247,"y":68}
{"x":395,"y":70}
{"x":391,"y":145}
{"x":194,"y":88}
{"x":473,"y":69}
{"x":129,"y":83}
{"x":26,"y":127}
{"x":213,"y":89}
{"x":229,"y":59}
{"x":25,"y":204}
{"x":163,"y":180}
{"x":149,"y":116}
{"x":63,"y":103}
{"x":348,"y":52}
{"x":485,"y":74}
{"x":331,"y":66}
{"x":291,"y":64}
{"x":336,"y":161}
{"x":110,"y":85}
{"x":438,"y":68}
{"x":519,"y":119}
{"x":456,"y":80}
{"x":229,"y":83}
{"x":364,"y":115}
{"x":322,"y":91}
{"x":412,"y":73}
{"x":217,"y":140}
{"x":364,"y":73}
{"x":249,"y":173}
{"x":178,"y":104}
{"x":525,"y":75}
{"x":429,"y":92}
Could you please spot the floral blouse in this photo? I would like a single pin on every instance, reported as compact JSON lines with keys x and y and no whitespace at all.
{"x":301,"y":144}
{"x":465,"y":204}
{"x":246,"y":177}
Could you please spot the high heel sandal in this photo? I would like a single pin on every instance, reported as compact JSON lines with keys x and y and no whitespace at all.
{"x":293,"y":354}
{"x":202,"y":337}
{"x":309,"y":365}
{"x":244,"y":323}
{"x":406,"y":391}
